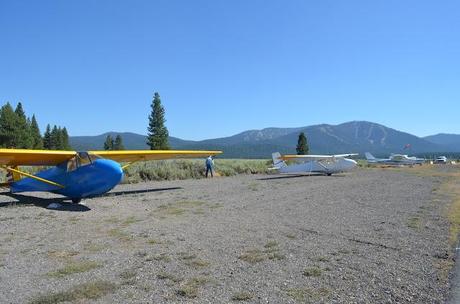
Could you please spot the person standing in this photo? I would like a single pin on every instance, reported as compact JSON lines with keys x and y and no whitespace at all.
{"x":209,"y":166}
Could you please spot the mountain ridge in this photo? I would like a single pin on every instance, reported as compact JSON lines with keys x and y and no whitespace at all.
{"x":353,"y":136}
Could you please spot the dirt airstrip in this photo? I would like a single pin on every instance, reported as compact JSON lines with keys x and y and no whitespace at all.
{"x":370,"y":236}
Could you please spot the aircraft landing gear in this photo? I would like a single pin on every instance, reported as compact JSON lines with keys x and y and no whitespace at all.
{"x":329,"y":174}
{"x":76,"y":200}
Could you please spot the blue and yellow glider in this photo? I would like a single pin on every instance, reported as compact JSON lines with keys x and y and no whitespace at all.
{"x":77,"y":175}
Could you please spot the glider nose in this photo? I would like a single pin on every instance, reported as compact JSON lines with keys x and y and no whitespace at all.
{"x":351,"y":163}
{"x":112,"y":169}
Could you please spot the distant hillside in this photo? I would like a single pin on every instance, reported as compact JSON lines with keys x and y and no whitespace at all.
{"x":452,"y":141}
{"x":355,"y":136}
{"x":130,"y":140}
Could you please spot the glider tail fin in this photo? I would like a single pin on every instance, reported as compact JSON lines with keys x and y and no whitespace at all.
{"x":369,"y":156}
{"x":277,"y":161}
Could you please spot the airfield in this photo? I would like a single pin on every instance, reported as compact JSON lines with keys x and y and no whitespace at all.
{"x":369,"y":236}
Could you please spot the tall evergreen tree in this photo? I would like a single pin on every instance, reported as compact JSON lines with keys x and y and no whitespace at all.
{"x":65,"y":139}
{"x":108,"y":144}
{"x":302,"y":145}
{"x":23,"y":133}
{"x":56,"y":139}
{"x":35,"y":132}
{"x":47,"y":138}
{"x":8,"y":127}
{"x":157,"y":137}
{"x":118,"y":144}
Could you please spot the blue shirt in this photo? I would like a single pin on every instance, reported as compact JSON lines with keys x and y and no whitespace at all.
{"x":209,"y":162}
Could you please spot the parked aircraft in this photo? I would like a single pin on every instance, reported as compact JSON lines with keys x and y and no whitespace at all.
{"x":440,"y":160}
{"x":77,"y":175}
{"x":394,"y":160}
{"x":326,"y":164}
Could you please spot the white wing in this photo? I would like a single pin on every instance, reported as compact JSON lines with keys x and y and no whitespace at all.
{"x":311,"y":157}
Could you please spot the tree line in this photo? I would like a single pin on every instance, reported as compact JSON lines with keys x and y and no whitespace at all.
{"x":111,"y":144}
{"x":19,"y":131}
{"x":22,"y":132}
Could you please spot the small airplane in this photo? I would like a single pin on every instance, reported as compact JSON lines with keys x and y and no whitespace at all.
{"x":326,"y":164}
{"x":440,"y":160}
{"x":395,"y":160}
{"x":77,"y":175}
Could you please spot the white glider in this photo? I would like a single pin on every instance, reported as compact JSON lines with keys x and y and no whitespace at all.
{"x":326,"y":164}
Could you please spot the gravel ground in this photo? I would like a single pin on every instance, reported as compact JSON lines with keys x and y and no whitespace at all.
{"x":371,"y":236}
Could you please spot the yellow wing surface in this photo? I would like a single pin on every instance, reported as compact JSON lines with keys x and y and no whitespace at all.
{"x":24,"y":157}
{"x":141,"y":155}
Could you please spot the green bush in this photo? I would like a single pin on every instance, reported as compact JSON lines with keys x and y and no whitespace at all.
{"x":187,"y":168}
{"x":179,"y":169}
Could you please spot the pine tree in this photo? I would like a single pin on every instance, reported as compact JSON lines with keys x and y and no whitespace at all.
{"x":55,"y":138}
{"x":47,"y":138}
{"x":8,"y":127}
{"x":108,"y":144}
{"x":65,"y":139}
{"x":23,"y":133}
{"x":302,"y":145}
{"x":59,"y":139}
{"x":118,"y":144}
{"x":157,"y":137}
{"x":35,"y":132}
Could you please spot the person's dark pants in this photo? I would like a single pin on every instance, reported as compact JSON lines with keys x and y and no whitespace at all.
{"x":209,"y":169}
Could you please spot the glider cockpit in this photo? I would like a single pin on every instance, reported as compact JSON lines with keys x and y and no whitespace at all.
{"x":81,"y":159}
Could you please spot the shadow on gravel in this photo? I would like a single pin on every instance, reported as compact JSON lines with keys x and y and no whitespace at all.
{"x":24,"y":200}
{"x":300,"y":175}
{"x":117,"y":193}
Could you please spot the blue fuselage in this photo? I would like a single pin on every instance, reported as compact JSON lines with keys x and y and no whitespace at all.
{"x":95,"y":178}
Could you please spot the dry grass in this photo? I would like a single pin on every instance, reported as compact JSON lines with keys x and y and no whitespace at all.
{"x":128,"y":277}
{"x":74,"y":267}
{"x":291,"y":236}
{"x":252,"y":256}
{"x":130,"y":220}
{"x":193,"y":168}
{"x":198,"y":263}
{"x":312,"y":272}
{"x":271,"y":251}
{"x":94,"y":248}
{"x":184,"y":207}
{"x":242,"y":296}
{"x":270,"y":245}
{"x":302,"y":295}
{"x":80,"y":293}
{"x":322,"y":259}
{"x":191,"y":287}
{"x":119,"y":234}
{"x":450,"y":186}
{"x":414,"y":222}
{"x":163,"y":257}
{"x":168,"y":276}
{"x":153,"y":242}
{"x":62,"y":254}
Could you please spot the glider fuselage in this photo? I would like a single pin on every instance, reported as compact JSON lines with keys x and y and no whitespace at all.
{"x":326,"y":164}
{"x":326,"y":167}
{"x":95,"y":178}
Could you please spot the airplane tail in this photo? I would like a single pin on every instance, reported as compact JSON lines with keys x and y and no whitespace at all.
{"x":369,"y":156}
{"x":277,"y":161}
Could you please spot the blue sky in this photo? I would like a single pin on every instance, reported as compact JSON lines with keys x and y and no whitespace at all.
{"x":222,"y":67}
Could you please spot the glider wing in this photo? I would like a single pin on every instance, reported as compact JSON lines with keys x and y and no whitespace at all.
{"x":142,"y":155}
{"x":315,"y":157}
{"x":24,"y":157}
